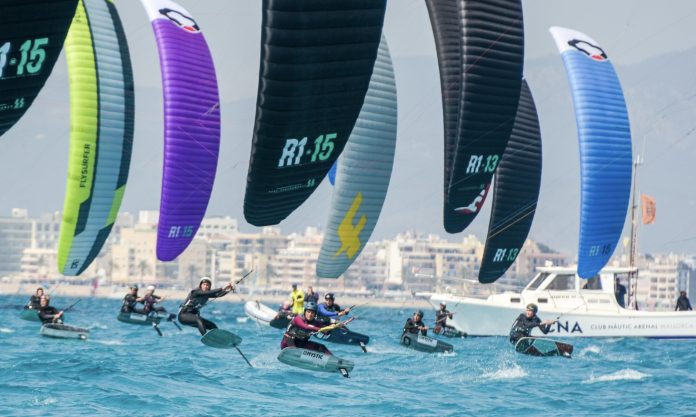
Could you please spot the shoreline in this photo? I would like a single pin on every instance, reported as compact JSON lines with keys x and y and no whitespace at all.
{"x":273,"y":301}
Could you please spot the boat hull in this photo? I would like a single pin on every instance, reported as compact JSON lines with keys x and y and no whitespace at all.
{"x":280,"y":322}
{"x":29,"y":314}
{"x":539,"y":346}
{"x":259,"y":312}
{"x":314,"y":361}
{"x":136,"y":318}
{"x":344,"y":336}
{"x":62,"y":331}
{"x":425,"y":344}
{"x":448,"y":331}
{"x":485,"y":318}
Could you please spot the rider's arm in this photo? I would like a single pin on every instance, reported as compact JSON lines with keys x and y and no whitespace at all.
{"x":299,"y":322}
{"x":326,"y":313}
{"x":218,"y":292}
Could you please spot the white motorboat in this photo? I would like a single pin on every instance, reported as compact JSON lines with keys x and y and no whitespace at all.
{"x":259,"y":312}
{"x":584,"y":308}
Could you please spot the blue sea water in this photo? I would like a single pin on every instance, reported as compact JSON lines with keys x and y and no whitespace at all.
{"x":127,"y":370}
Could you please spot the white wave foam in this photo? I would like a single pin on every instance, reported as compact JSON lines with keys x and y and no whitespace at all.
{"x":265,"y":360}
{"x":622,"y":375}
{"x":113,"y":342}
{"x":384,"y":350}
{"x":45,"y":401}
{"x":590,"y":349}
{"x":513,"y":372}
{"x":6,"y":330}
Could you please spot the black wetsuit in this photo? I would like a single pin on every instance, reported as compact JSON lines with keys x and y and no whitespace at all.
{"x":683,"y":303}
{"x":129,"y":303}
{"x":34,"y":302}
{"x":412,"y":327}
{"x":441,"y":317}
{"x":47,"y":314}
{"x":189,"y":314}
{"x":150,"y":301}
{"x":523,"y":325}
{"x":620,"y":293}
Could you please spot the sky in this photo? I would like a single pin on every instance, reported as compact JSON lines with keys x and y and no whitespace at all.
{"x":637,"y":35}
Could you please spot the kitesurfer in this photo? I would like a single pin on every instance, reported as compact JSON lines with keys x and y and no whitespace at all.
{"x":150,"y":299}
{"x":285,"y":310}
{"x":35,"y":300}
{"x":131,"y":300}
{"x":620,"y":292}
{"x":189,"y":313}
{"x":47,"y":313}
{"x":415,"y":324}
{"x":525,"y":322}
{"x":683,"y":302}
{"x":297,"y":298}
{"x":311,"y":295}
{"x":301,"y":329}
{"x":441,"y":317}
{"x":330,"y":311}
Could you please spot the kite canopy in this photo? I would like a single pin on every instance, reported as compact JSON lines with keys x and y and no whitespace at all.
{"x":363,"y":174}
{"x":604,"y":135}
{"x":515,"y":192}
{"x":101,"y":132}
{"x":312,"y":84}
{"x":480,"y":49}
{"x":191,"y":125}
{"x":32,"y":33}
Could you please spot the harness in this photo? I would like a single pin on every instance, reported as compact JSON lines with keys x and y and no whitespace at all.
{"x":295,"y":332}
{"x":191,"y":306}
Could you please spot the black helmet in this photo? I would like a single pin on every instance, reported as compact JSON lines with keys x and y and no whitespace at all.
{"x":329,"y":296}
{"x":533,"y":307}
{"x":419,"y":313}
{"x":310,"y":305}
{"x":133,"y":286}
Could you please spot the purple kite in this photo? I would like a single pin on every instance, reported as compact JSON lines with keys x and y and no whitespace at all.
{"x":191,"y":125}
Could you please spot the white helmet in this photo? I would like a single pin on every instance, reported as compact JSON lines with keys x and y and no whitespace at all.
{"x":205,"y":279}
{"x":150,"y":287}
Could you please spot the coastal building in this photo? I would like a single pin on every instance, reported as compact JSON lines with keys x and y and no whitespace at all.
{"x":297,"y":262}
{"x":687,"y":276}
{"x":218,"y":227}
{"x":658,"y":282}
{"x":39,"y":263}
{"x":370,"y":271}
{"x":16,"y":233}
{"x":410,"y":262}
{"x":430,"y":263}
{"x":134,"y":257}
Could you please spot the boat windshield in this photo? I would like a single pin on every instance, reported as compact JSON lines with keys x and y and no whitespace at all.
{"x":562,"y":282}
{"x":537,"y":280}
{"x":594,"y":283}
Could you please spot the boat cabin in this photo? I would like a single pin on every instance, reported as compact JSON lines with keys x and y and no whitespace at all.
{"x":565,"y":279}
{"x":561,"y":287}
